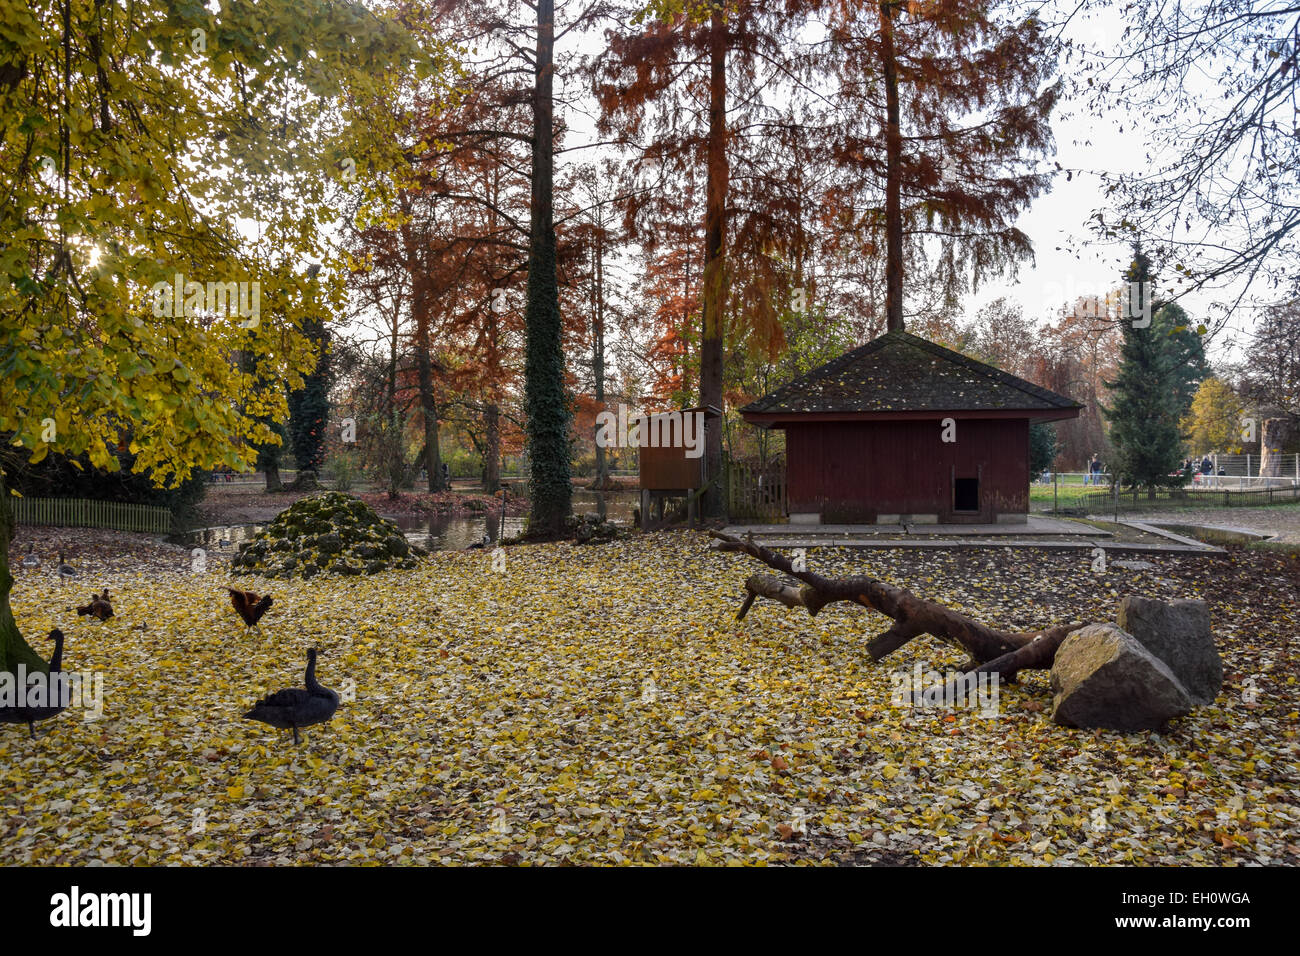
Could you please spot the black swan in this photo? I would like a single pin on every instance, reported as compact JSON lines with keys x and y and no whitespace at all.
{"x":294,"y":708}
{"x":29,"y":715}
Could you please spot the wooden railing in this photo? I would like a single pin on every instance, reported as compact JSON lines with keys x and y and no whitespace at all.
{"x":86,"y":513}
{"x":754,"y":492}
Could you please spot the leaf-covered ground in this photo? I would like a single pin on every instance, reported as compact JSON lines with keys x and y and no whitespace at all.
{"x":600,"y":704}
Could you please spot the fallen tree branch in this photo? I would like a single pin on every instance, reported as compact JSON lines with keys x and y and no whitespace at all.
{"x":990,"y":649}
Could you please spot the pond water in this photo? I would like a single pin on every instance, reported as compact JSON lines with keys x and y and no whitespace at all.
{"x":1216,"y":536}
{"x":433,"y":533}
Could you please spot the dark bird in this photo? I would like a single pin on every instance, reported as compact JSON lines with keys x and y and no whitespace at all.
{"x":294,"y":708}
{"x":98,"y":608}
{"x":14,"y":714}
{"x":250,"y":606}
{"x":66,"y":571}
{"x":31,"y":562}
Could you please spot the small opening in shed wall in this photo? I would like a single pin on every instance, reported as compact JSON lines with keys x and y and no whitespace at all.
{"x":966,"y":494}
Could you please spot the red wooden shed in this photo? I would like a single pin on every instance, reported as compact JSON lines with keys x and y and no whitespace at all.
{"x":903,"y":430}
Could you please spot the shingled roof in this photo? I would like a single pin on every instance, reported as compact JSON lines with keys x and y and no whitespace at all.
{"x":901,"y":372}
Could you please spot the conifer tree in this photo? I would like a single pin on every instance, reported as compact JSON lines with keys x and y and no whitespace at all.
{"x":1144,"y":411}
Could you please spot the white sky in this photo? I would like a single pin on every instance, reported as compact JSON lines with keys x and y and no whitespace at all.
{"x":1069,"y":260}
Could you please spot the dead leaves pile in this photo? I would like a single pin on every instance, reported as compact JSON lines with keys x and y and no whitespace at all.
{"x":600,"y":705}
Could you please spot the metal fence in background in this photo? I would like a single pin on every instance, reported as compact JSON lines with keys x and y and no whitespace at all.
{"x":1242,"y":471}
{"x":1217,"y":492}
{"x":87,"y":513}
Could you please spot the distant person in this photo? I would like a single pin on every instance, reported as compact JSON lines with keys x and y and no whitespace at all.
{"x":446,"y":475}
{"x":1094,"y":472}
{"x":1207,"y":466}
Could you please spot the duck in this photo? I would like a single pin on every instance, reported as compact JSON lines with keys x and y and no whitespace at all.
{"x":66,"y":571}
{"x":30,"y":561}
{"x":250,"y":606}
{"x":98,"y":608}
{"x":14,"y":714}
{"x":294,"y":707}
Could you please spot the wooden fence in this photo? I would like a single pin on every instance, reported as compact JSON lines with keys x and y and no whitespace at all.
{"x":85,"y":513}
{"x":754,"y":492}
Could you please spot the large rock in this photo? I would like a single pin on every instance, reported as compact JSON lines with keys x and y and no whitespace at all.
{"x":1178,"y":634}
{"x":1104,"y":677}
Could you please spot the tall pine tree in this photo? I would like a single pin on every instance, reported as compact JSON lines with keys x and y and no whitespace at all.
{"x":1187,"y":351}
{"x":1145,"y":406}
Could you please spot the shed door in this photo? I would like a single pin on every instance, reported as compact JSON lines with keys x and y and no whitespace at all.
{"x":967,"y":497}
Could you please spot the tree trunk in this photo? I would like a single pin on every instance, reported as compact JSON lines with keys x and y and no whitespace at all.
{"x":550,"y":490}
{"x":893,"y":175}
{"x":715,"y":279}
{"x":492,"y":455}
{"x":1272,"y":434}
{"x":989,"y":649}
{"x":13,"y":649}
{"x":308,"y":480}
{"x":273,"y":482}
{"x":428,"y":406}
{"x":598,"y":354}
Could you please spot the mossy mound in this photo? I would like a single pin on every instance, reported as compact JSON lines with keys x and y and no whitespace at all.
{"x":326,"y":533}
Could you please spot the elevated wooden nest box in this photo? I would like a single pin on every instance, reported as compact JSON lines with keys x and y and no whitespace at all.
{"x":670,"y":447}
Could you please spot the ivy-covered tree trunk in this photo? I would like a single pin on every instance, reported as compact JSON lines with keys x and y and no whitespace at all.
{"x":13,"y":649}
{"x":309,"y":412}
{"x":548,"y":414}
{"x":268,"y":453}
